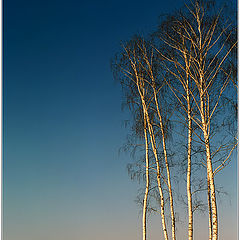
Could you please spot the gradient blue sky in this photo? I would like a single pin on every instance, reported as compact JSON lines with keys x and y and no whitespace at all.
{"x":62,"y":176}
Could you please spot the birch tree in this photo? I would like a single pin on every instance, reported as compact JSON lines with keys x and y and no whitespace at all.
{"x":143,"y":74}
{"x":191,"y":59}
{"x":201,"y":46}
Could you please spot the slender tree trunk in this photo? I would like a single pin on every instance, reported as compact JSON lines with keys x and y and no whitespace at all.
{"x":167,"y":166}
{"x":212,"y":189}
{"x":209,"y":211}
{"x":154,"y":148}
{"x":169,"y":184}
{"x":153,"y":142}
{"x":209,"y":170}
{"x":165,"y":153}
{"x":189,"y":193}
{"x":205,"y":118}
{"x":189,"y":154}
{"x":144,"y":216}
{"x":141,"y":90}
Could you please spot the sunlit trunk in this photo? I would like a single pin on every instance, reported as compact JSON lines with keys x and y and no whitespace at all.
{"x":141,"y":91}
{"x":153,"y":143}
{"x":189,"y":193}
{"x":144,"y":216}
{"x":209,"y":211}
{"x":189,"y":153}
{"x":167,"y":166}
{"x":210,"y":175}
{"x":212,"y":190}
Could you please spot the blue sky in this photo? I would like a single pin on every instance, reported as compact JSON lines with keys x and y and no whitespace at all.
{"x":62,"y":175}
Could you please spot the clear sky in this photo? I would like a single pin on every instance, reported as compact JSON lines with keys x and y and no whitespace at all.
{"x":62,"y":175}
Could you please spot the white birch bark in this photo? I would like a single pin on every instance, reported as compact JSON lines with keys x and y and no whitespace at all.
{"x":210,"y":175}
{"x":169,"y":180}
{"x":164,"y":151}
{"x":153,"y":143}
{"x":144,"y":216}
{"x":212,"y":190}
{"x":209,"y":211}
{"x":140,"y":86}
{"x":189,"y":193}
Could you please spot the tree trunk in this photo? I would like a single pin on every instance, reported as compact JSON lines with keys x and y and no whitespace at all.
{"x":141,"y":90}
{"x":152,"y":137}
{"x":154,"y":148}
{"x":167,"y":166}
{"x":189,"y":154}
{"x":189,"y":193}
{"x":210,"y":175}
{"x":212,"y":189}
{"x":144,"y":217}
{"x":209,"y":211}
{"x":169,"y":184}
